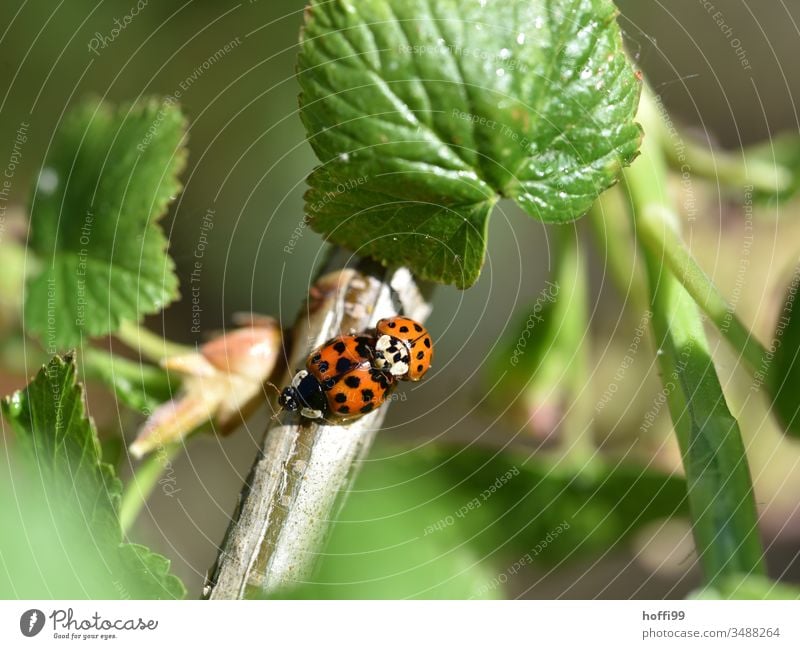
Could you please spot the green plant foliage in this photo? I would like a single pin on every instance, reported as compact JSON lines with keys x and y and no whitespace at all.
{"x":720,"y":491}
{"x":780,"y":154}
{"x":540,"y":367}
{"x":138,"y":385}
{"x":110,"y":176}
{"x":63,"y":508}
{"x":424,"y":113}
{"x":783,"y":368}
{"x":444,"y":523}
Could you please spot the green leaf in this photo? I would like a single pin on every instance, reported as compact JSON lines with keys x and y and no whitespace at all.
{"x":445,"y":523}
{"x":783,"y":367}
{"x":603,"y":504}
{"x":747,"y":587}
{"x":109,"y":178}
{"x":425,"y":112}
{"x":79,"y":491}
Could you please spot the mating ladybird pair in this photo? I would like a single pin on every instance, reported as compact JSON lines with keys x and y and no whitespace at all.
{"x":350,"y":376}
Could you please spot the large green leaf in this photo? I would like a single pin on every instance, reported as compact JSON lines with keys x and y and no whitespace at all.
{"x":109,"y":177}
{"x":425,"y":112}
{"x":64,"y":495}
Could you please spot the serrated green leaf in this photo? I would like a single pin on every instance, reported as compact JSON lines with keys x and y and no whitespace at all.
{"x":108,"y":180}
{"x":79,"y":491}
{"x":425,"y":112}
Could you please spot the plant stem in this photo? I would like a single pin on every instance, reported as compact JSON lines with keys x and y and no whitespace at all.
{"x":144,"y":480}
{"x":137,"y":384}
{"x":615,"y":238}
{"x":299,"y":479}
{"x":571,"y":317}
{"x":723,"y":167}
{"x":658,"y":229}
{"x":660,"y":236}
{"x":149,"y":344}
{"x":725,"y":524}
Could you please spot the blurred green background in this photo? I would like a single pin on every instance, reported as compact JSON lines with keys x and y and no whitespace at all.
{"x":248,"y":161}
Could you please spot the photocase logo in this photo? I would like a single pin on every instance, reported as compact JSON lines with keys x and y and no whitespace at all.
{"x":31,"y":622}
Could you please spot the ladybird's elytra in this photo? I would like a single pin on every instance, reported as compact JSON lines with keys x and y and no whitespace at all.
{"x":339,"y":382}
{"x":349,"y":376}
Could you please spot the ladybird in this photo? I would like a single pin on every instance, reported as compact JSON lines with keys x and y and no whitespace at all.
{"x":403,"y":348}
{"x":339,"y":381}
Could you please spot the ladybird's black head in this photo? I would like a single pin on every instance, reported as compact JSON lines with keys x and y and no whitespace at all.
{"x":289,"y":399}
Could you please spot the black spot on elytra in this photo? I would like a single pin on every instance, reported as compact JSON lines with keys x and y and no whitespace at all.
{"x":328,"y":383}
{"x":403,"y":329}
{"x":367,"y":395}
{"x":323,"y":367}
{"x":417,"y":327}
{"x":316,"y":358}
{"x":392,"y":325}
{"x":427,"y":342}
{"x":420,"y":355}
{"x":363,"y":348}
{"x":340,"y":397}
{"x":339,"y":346}
{"x":342,"y":365}
{"x":352,"y":381}
{"x":367,"y":408}
{"x":419,"y":368}
{"x":343,"y":409}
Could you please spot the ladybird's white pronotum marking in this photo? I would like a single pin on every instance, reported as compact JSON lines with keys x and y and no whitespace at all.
{"x":392,"y":354}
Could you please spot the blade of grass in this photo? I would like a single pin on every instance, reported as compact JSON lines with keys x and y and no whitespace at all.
{"x":725,"y":524}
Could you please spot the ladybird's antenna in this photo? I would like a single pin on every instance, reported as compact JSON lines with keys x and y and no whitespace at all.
{"x":270,"y":384}
{"x":275,"y":413}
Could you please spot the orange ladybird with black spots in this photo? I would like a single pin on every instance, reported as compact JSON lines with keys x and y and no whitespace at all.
{"x":339,"y":381}
{"x":403,"y":348}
